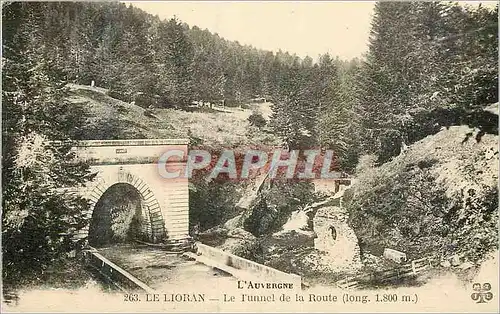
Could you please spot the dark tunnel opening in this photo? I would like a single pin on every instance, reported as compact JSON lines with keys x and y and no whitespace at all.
{"x":117,"y":216}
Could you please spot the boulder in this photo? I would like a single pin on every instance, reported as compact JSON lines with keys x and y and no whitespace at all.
{"x":261,"y":219}
{"x":239,"y":233}
{"x":251,"y":192}
{"x":233,"y":223}
{"x":234,"y":245}
{"x":394,"y":255}
{"x":455,"y":260}
{"x":287,"y":240}
{"x":214,"y":236}
{"x":465,"y":265}
{"x":445,"y":264}
{"x":240,"y":242}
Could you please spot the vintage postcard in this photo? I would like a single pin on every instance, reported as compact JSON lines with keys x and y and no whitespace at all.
{"x":252,"y":156}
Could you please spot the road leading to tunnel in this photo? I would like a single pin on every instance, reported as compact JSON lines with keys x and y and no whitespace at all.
{"x":165,"y":271}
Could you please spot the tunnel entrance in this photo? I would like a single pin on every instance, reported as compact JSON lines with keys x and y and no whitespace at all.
{"x":117,"y":216}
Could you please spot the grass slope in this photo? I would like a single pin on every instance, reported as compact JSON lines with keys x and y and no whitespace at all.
{"x":460,"y":161}
{"x":109,"y":118}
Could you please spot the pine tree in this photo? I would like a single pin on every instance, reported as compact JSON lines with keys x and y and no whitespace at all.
{"x":471,"y":52}
{"x":208,"y":65}
{"x":427,"y":62}
{"x":294,"y":111}
{"x":401,"y":73}
{"x":337,"y":126}
{"x":176,"y":57}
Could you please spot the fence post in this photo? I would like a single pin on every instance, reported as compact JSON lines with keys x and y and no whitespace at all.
{"x":413,"y":267}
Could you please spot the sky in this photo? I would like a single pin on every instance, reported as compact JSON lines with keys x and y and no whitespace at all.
{"x":305,"y":28}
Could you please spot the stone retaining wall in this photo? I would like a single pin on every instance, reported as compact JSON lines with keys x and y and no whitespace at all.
{"x":260,"y":271}
{"x":114,"y":273}
{"x":343,"y":252}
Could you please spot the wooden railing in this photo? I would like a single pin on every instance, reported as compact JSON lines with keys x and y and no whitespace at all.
{"x":411,"y":269}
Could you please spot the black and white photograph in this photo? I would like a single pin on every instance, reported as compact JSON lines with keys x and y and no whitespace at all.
{"x":250,"y":156}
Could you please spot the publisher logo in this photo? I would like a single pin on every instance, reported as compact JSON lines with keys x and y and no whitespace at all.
{"x":482,"y":293}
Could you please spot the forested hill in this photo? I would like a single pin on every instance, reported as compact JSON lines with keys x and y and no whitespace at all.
{"x":127,"y":50}
{"x":428,"y":65}
{"x":109,"y":118}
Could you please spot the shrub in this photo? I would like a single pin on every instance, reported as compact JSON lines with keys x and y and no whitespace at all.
{"x":120,"y":95}
{"x":211,"y":202}
{"x":146,"y":100}
{"x":256,"y":119}
{"x":473,"y":222}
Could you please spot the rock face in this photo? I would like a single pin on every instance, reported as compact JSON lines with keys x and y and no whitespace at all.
{"x":335,"y":239}
{"x":314,"y":238}
{"x":252,"y":191}
{"x":238,"y":242}
{"x":297,"y":221}
{"x":233,"y":223}
{"x":287,"y":240}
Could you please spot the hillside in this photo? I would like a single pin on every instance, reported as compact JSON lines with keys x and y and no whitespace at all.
{"x":110,"y":118}
{"x":438,"y":197}
{"x":446,"y":179}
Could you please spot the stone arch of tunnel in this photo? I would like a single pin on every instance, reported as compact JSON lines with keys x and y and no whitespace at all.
{"x":139,"y":218}
{"x":165,"y":202}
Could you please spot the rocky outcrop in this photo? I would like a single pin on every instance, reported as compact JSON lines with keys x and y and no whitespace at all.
{"x":287,"y":240}
{"x":321,"y":230}
{"x":239,"y":242}
{"x":252,"y":191}
{"x":304,"y":242}
{"x":297,"y":221}
{"x":235,"y":222}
